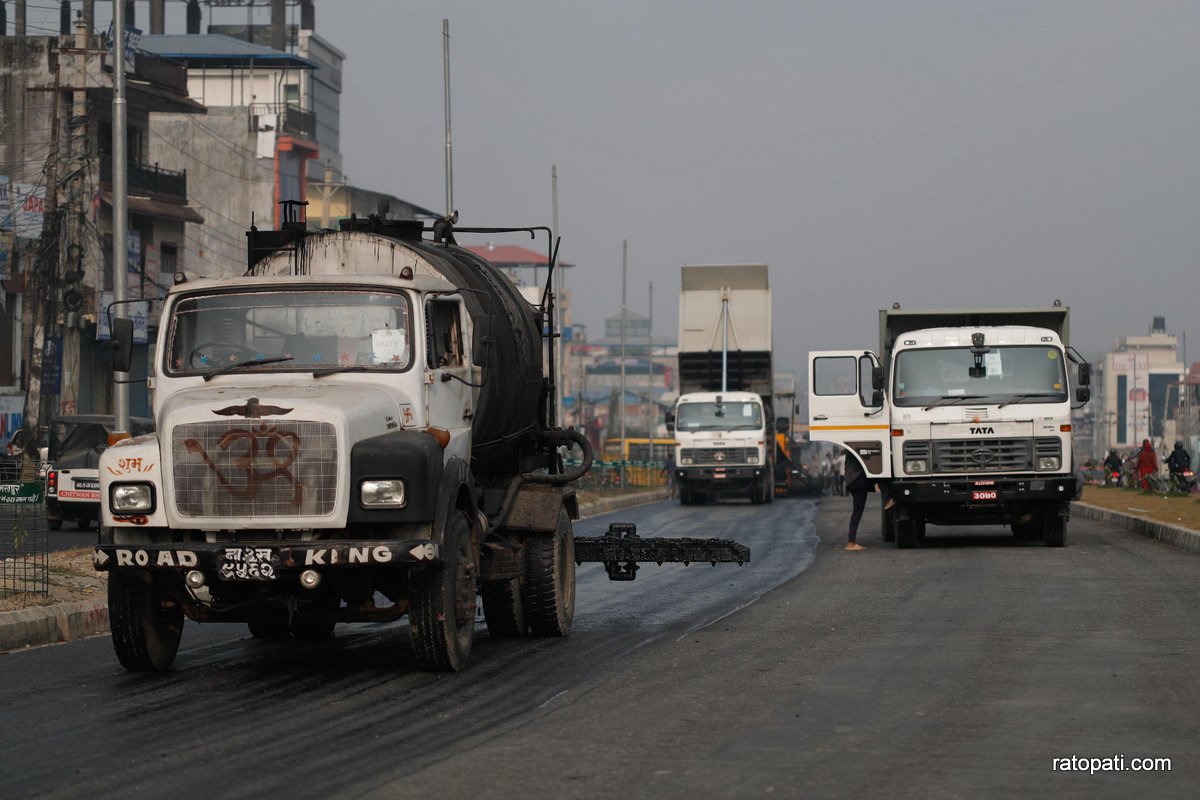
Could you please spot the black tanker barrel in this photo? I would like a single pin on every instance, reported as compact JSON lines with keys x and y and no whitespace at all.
{"x":511,"y":394}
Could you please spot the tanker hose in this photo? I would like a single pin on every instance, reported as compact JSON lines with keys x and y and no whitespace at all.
{"x":564,"y":438}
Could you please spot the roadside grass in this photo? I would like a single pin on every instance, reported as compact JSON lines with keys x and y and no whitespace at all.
{"x":71,"y":579}
{"x":1173,"y":509}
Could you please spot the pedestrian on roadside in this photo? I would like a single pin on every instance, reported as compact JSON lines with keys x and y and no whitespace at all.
{"x":669,"y":472}
{"x":1147,"y":464}
{"x":839,"y":473}
{"x":827,"y":475}
{"x":859,"y":486}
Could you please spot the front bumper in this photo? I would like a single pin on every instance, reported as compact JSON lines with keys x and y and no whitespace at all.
{"x":717,"y":477}
{"x":978,"y":491}
{"x":265,"y":561}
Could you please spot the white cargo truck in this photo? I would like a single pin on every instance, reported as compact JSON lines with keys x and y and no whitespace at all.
{"x":724,"y":436}
{"x":966,"y":412}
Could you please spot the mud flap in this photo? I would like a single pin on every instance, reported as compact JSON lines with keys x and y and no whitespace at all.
{"x":621,"y":549}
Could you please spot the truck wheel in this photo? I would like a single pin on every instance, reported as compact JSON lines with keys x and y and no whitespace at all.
{"x":919,"y":526}
{"x":145,"y":632}
{"x":686,"y":498}
{"x":550,"y":580}
{"x":503,"y":608}
{"x":271,"y":625}
{"x":887,"y":525}
{"x":1054,"y":530}
{"x":441,"y":602}
{"x":906,"y":534}
{"x":54,"y":523}
{"x":83,"y":523}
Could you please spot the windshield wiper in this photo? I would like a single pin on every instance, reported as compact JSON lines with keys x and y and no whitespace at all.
{"x":249,"y":362}
{"x":321,"y":373}
{"x":1020,"y":398}
{"x":953,"y":399}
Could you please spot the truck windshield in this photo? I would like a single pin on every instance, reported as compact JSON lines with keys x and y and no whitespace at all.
{"x":739,"y":416}
{"x":1015,"y":374}
{"x":289,"y":330}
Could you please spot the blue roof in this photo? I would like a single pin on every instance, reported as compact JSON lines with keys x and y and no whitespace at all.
{"x":215,"y":50}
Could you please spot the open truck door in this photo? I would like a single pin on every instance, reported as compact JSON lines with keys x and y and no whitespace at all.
{"x":846,"y":406}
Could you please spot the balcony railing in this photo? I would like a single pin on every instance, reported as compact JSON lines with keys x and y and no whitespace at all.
{"x":290,"y":119}
{"x":147,"y":179}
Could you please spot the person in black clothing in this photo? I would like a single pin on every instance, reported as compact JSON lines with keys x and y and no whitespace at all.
{"x":1180,"y":461}
{"x":1112,"y":466}
{"x":858,"y":485}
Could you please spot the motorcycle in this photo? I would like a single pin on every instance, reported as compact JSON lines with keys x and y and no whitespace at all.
{"x":1183,"y":482}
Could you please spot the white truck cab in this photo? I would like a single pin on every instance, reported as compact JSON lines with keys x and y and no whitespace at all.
{"x":722,"y":446}
{"x":971,"y":424}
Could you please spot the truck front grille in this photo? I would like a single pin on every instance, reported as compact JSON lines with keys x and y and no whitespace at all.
{"x":254,"y":468}
{"x":982,"y":455}
{"x":717,"y":456}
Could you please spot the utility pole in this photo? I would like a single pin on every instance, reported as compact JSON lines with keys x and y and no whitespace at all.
{"x":120,"y":206}
{"x":621,"y":401}
{"x":557,"y":289}
{"x":650,"y":380}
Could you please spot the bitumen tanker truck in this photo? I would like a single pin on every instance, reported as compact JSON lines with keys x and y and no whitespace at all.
{"x":358,"y":428}
{"x":966,"y":412}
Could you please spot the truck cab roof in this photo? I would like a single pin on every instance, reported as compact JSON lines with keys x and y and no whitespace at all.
{"x":961,"y":337}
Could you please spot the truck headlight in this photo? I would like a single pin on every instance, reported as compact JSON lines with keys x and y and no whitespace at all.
{"x":752,"y":459}
{"x":1049,"y":462}
{"x":383,"y":494}
{"x":915,"y":465}
{"x":131,"y":498}
{"x":685,"y":461}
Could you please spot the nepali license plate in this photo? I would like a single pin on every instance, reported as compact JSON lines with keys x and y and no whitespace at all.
{"x":248,"y":564}
{"x":87,"y":484}
{"x":985,"y":495}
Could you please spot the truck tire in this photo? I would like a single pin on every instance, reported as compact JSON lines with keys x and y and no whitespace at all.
{"x":145,"y":633}
{"x":1054,"y":530}
{"x":919,"y":526}
{"x":1026,"y":531}
{"x":906,"y":534}
{"x":54,"y":523}
{"x":83,"y":523}
{"x":887,"y":526}
{"x":503,"y":608}
{"x":441,"y":602}
{"x":549,"y":591}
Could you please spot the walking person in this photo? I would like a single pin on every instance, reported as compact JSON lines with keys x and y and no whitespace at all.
{"x":1147,"y":464}
{"x":839,"y":473}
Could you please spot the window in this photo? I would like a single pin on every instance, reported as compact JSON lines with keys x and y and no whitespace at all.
{"x":445,"y":334}
{"x":1011,"y":374}
{"x":304,"y":329}
{"x":837,"y":375}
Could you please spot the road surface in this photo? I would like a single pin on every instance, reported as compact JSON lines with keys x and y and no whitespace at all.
{"x":961,"y":669}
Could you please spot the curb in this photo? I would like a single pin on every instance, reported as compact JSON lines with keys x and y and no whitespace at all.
{"x":1183,"y":538}
{"x":40,"y":625}
{"x":31,"y":627}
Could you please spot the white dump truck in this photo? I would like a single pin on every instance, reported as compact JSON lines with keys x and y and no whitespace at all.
{"x":357,"y":429}
{"x":723,"y":421}
{"x":967,"y":413}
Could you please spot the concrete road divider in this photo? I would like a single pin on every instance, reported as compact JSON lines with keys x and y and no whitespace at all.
{"x":1183,"y":538}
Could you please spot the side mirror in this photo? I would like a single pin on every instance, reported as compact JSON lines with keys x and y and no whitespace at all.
{"x":1083,"y":394}
{"x":481,"y":339}
{"x":122,"y":344}
{"x":876,"y":377}
{"x":783,"y":425}
{"x":1085,"y":374}
{"x":877,"y":398}
{"x":670,"y":422}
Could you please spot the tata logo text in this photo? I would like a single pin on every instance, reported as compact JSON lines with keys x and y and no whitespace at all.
{"x":981,"y":430}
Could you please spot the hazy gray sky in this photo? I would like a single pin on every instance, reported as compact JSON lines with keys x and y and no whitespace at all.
{"x":930,"y":153}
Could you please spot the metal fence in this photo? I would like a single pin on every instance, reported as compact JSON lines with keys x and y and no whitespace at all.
{"x":609,"y":474}
{"x":24,"y":540}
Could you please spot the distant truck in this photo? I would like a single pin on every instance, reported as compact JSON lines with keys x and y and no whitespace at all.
{"x":722,"y":421}
{"x":968,"y":412}
{"x":73,"y":478}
